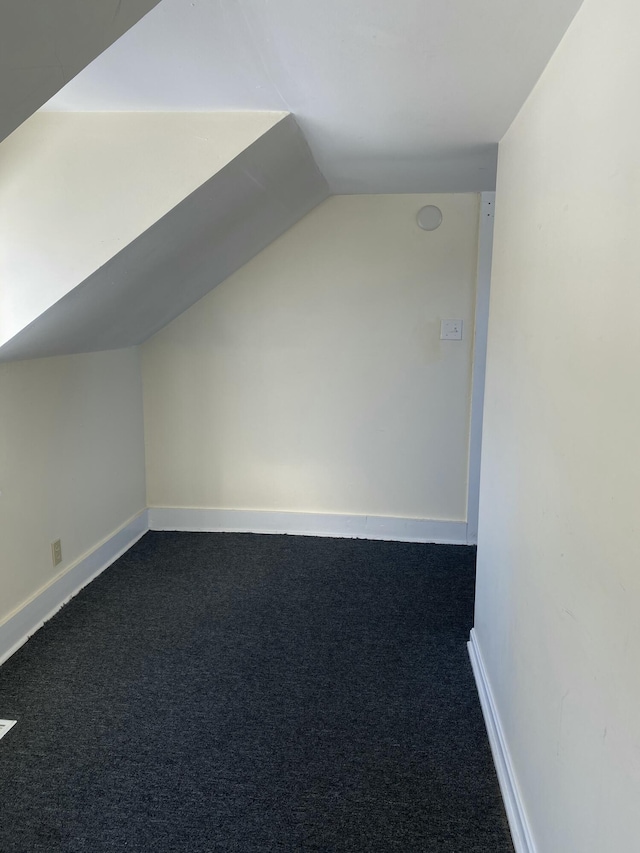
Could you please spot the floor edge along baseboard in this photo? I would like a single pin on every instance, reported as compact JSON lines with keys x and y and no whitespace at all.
{"x":17,"y":629}
{"x":308,"y":524}
{"x":518,"y":821}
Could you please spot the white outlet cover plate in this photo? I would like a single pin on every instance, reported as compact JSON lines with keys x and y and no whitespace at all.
{"x":451,"y":330}
{"x":5,"y":725}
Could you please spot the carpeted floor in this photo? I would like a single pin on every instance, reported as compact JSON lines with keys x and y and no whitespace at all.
{"x":234,"y":692}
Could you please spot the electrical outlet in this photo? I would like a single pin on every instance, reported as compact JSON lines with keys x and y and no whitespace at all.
{"x":56,"y":552}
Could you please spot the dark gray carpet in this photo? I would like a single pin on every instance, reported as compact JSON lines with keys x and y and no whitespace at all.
{"x":230,"y":692}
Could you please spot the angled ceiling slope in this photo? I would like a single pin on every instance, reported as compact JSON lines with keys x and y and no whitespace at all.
{"x":395,"y":96}
{"x":220,"y":226}
{"x":76,"y":188}
{"x":44,"y":44}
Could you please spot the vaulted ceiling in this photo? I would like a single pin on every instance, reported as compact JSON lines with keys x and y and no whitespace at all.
{"x":122,"y":295}
{"x":391,"y":95}
{"x":347,"y":96}
{"x":44,"y":44}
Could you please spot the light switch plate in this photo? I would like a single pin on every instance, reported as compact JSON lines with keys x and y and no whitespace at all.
{"x":451,"y":330}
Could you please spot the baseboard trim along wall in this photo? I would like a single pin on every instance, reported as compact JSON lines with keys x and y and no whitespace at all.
{"x":16,"y":630}
{"x":518,"y":820}
{"x":308,"y":524}
{"x":19,"y":626}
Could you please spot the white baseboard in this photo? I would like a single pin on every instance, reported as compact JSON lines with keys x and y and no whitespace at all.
{"x":308,"y":524}
{"x":17,"y":629}
{"x":516,"y":813}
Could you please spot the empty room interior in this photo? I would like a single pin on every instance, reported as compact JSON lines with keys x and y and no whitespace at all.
{"x":318,"y":497}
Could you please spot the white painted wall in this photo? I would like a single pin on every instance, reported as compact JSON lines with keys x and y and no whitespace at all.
{"x":71,"y":462}
{"x":558,"y":598}
{"x":314,"y":379}
{"x":76,"y":188}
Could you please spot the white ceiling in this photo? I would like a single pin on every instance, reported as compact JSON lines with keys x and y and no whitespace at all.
{"x":392,"y":95}
{"x":44,"y":44}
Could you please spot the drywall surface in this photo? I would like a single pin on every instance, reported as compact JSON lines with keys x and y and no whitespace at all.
{"x":76,"y":188}
{"x":558,"y":600}
{"x":44,"y":45}
{"x":216,"y":229}
{"x":314,"y":378}
{"x":71,"y":462}
{"x":393,"y":97}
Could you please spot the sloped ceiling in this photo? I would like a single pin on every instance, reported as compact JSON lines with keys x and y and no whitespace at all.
{"x":403,"y":96}
{"x":76,"y":188}
{"x":395,"y":96}
{"x":44,"y":43}
{"x":220,"y":226}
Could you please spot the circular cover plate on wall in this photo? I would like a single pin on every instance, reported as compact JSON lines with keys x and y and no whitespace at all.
{"x":429,"y":217}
